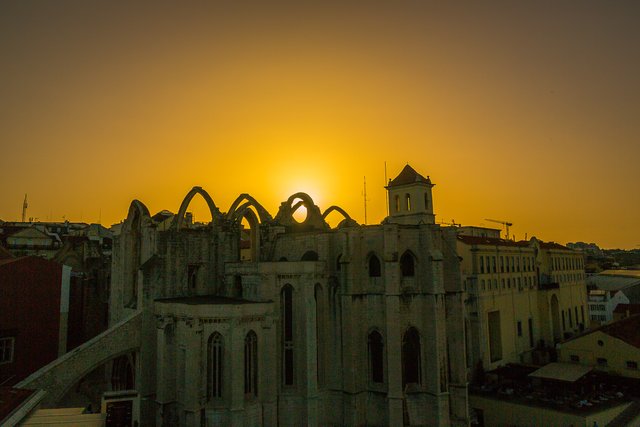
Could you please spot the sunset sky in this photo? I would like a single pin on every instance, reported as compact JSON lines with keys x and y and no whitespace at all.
{"x":526,"y":112}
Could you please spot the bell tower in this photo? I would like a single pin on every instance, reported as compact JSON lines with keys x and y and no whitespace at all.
{"x":410,"y":200}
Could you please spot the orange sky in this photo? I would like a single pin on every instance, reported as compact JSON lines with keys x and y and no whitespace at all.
{"x":522,"y":112}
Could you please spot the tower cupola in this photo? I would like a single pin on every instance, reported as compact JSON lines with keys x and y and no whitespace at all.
{"x":410,"y":200}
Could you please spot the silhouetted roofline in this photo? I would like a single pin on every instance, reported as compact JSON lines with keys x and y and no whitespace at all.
{"x":408,"y":176}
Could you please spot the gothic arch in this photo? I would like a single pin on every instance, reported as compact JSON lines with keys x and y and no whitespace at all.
{"x":179,"y":218}
{"x":346,"y":222}
{"x":237,"y":209}
{"x":137,"y":215}
{"x":314,"y":218}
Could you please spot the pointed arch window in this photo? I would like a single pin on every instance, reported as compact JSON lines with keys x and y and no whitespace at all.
{"x":411,"y":358}
{"x":251,"y":364}
{"x":407,"y":265}
{"x":214,"y":366}
{"x":374,"y":266}
{"x":286,"y":302}
{"x":376,"y":352}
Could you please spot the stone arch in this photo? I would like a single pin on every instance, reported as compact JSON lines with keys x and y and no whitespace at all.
{"x":346,"y":222}
{"x":137,"y":218}
{"x":314,"y":218}
{"x":237,"y":209}
{"x":179,"y":218}
{"x":59,"y":376}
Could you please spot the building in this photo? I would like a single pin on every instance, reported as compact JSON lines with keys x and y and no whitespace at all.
{"x":602,"y":305}
{"x":522,"y":297}
{"x":612,"y":348}
{"x":317,"y":326}
{"x":34,"y":313}
{"x":86,"y":248}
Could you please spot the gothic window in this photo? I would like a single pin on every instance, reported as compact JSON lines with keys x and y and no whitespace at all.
{"x":397,"y":199}
{"x":374,"y":266}
{"x":426,"y":201}
{"x":192,"y":275}
{"x":376,"y":367}
{"x":286,"y":302}
{"x":251,"y":364}
{"x":411,"y":358}
{"x":214,"y":366}
{"x":407,"y":267}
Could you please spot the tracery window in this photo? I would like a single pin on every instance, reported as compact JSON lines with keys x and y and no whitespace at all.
{"x":215,"y":351}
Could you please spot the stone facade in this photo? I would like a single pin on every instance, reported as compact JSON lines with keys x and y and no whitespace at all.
{"x":353,"y":325}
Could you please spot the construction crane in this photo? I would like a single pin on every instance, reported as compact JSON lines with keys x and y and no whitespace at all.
{"x":505,"y":223}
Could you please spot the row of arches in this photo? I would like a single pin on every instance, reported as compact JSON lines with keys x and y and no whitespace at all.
{"x":247,"y":207}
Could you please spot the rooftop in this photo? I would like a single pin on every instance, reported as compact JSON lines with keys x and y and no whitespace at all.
{"x":408,"y":176}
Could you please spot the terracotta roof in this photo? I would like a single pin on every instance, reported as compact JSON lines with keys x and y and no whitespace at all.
{"x":408,"y":176}
{"x":492,"y":241}
{"x":625,"y":330}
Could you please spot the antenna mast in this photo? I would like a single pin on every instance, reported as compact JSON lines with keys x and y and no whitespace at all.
{"x":364,"y":193}
{"x":386,"y":199}
{"x":24,"y":208}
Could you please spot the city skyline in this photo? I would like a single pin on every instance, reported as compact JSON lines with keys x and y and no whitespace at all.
{"x":523,"y":113}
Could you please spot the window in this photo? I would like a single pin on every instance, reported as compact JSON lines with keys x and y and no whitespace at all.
{"x":632,"y":364}
{"x":531,"y":333}
{"x":411,"y":363}
{"x":407,"y":265}
{"x":397,"y":203}
{"x":519,"y":328}
{"x":374,"y":266}
{"x":376,"y":369}
{"x":214,"y":366}
{"x":493,"y":264}
{"x":407,"y":200}
{"x":251,"y":364}
{"x":286,"y":302}
{"x":495,"y":336}
{"x":192,"y":275}
{"x":602,"y":362}
{"x":481,"y":264}
{"x":426,"y":201}
{"x":574,"y":358}
{"x":502,"y":264}
{"x":6,"y":349}
{"x":338,"y":263}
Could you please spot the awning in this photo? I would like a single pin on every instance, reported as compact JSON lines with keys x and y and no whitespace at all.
{"x":569,"y":372}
